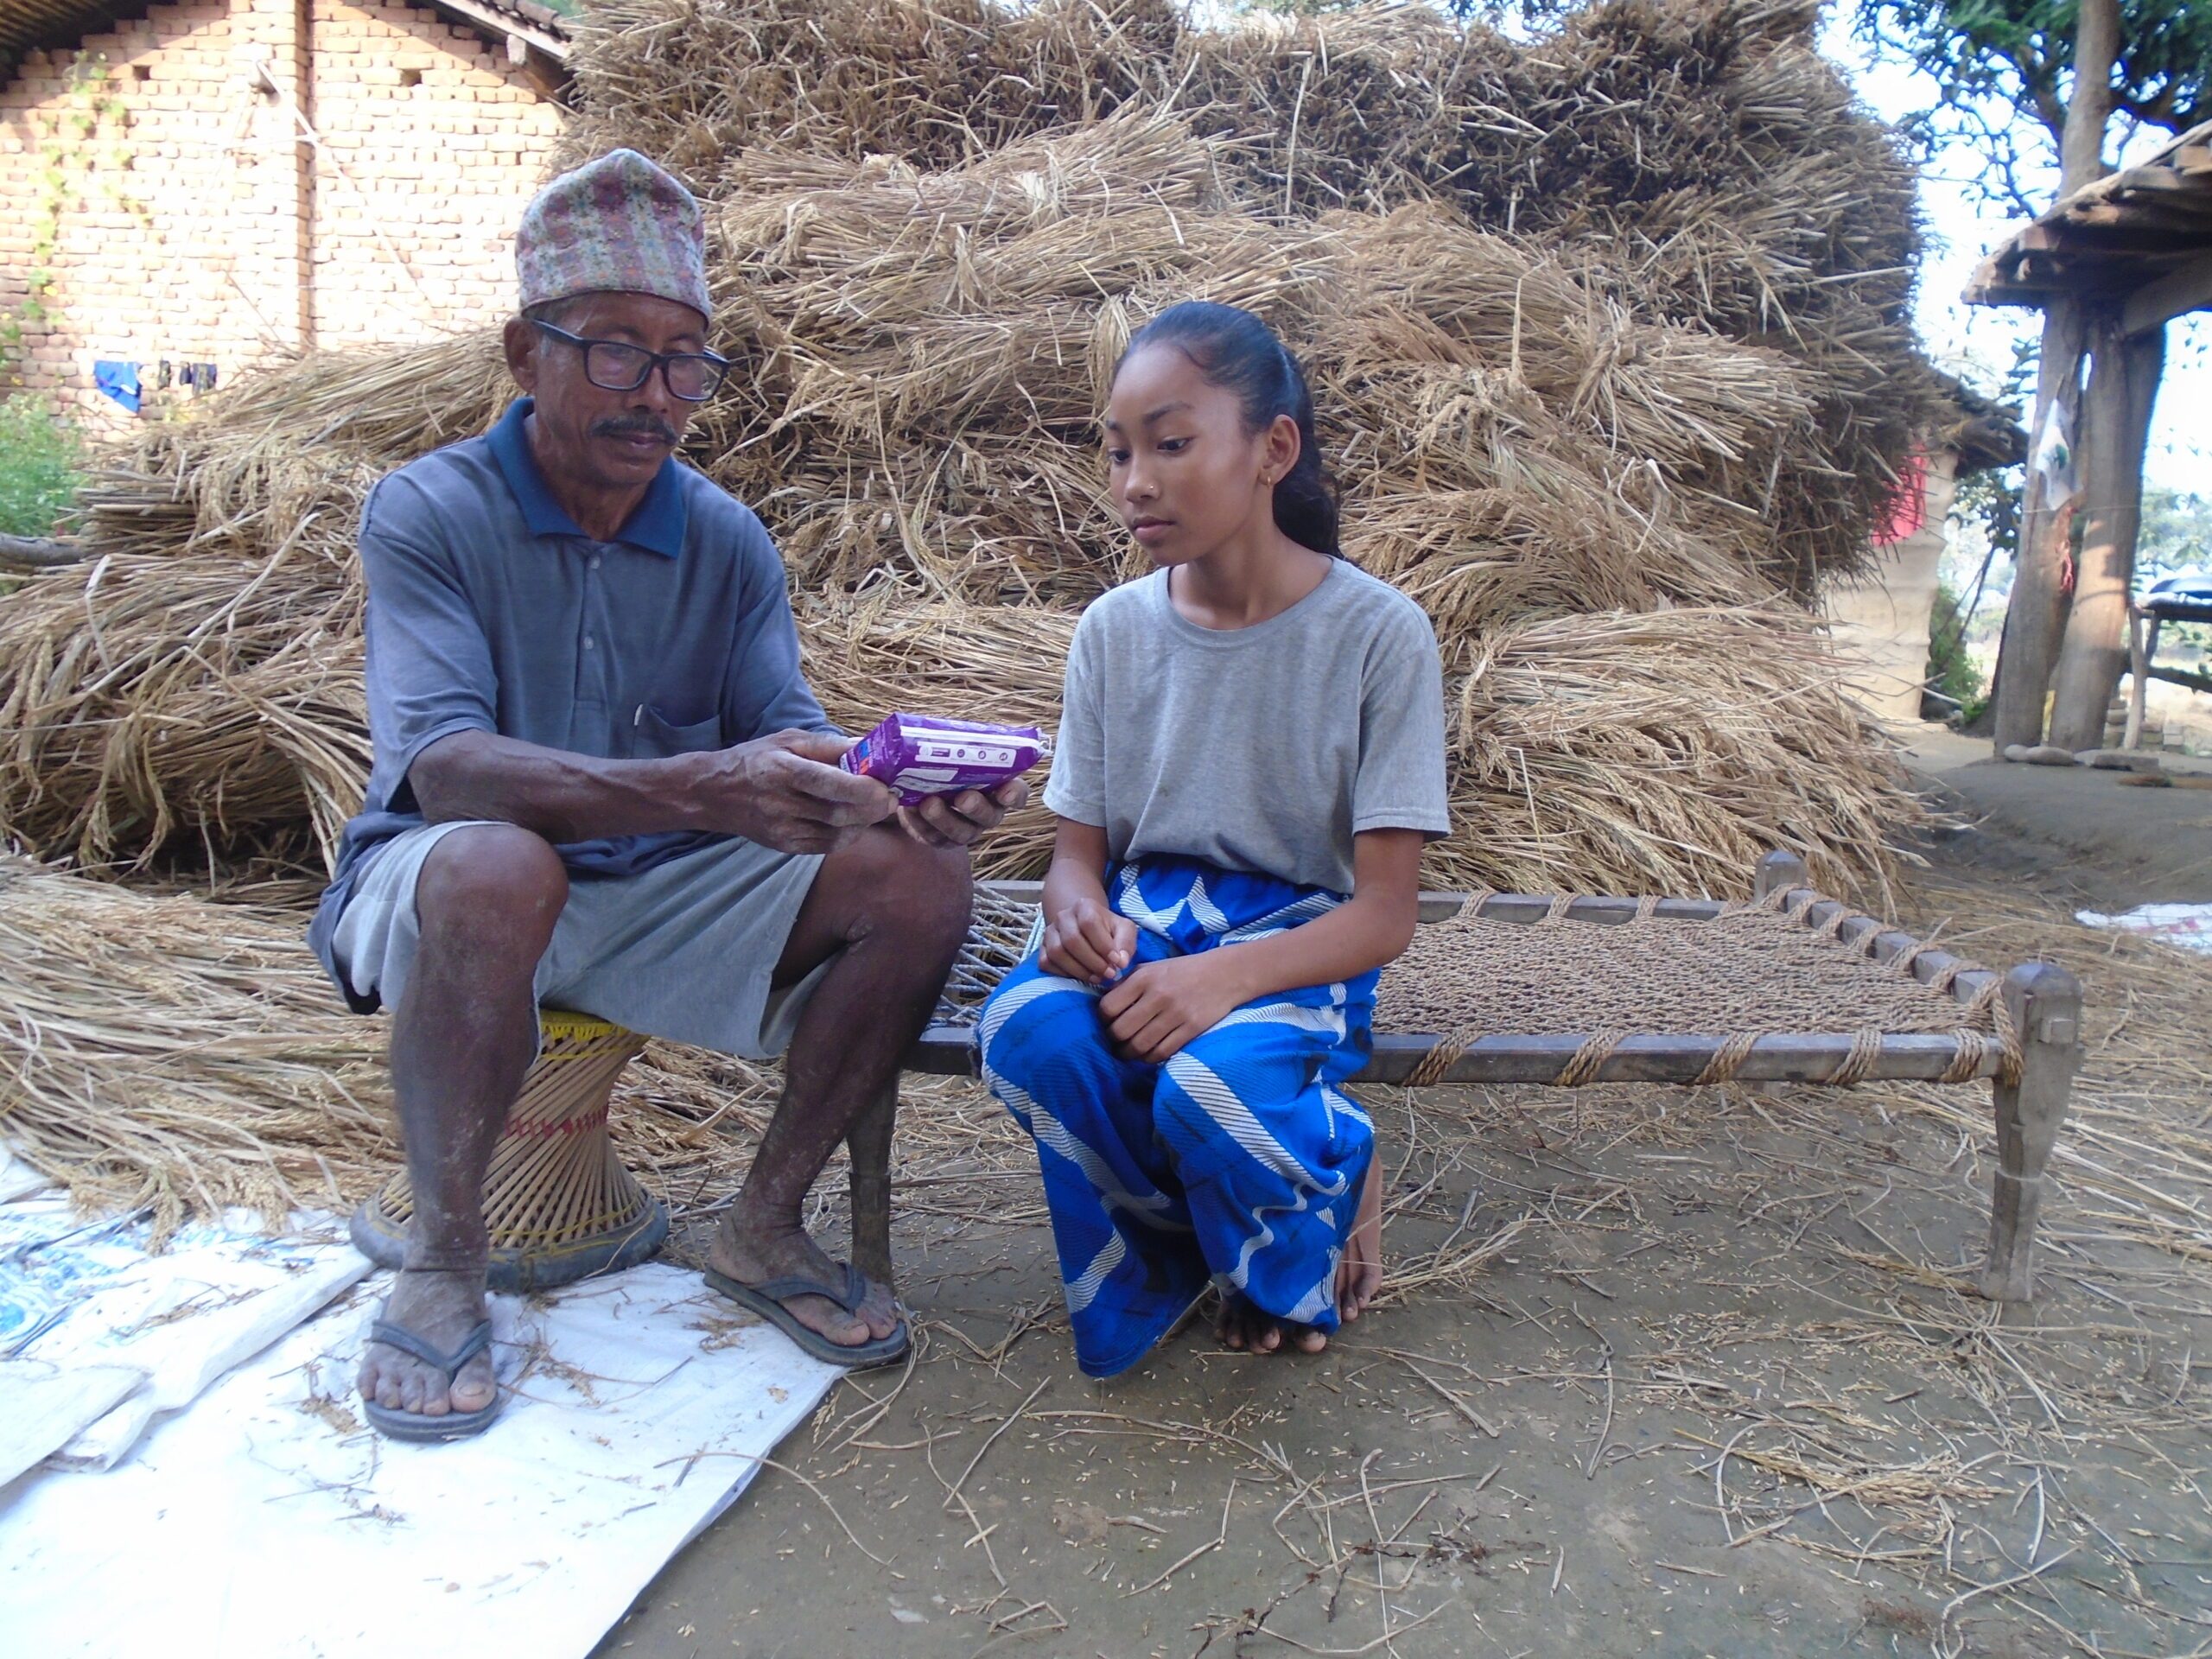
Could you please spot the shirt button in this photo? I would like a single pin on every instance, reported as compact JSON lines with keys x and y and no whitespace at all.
{"x":595,"y":561}
{"x":590,"y":644}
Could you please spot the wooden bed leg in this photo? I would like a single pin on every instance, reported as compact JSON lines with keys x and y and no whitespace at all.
{"x":1784,"y":870}
{"x":867,"y":1144}
{"x":2046,"y":1005}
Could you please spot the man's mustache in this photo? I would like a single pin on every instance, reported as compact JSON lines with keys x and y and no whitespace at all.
{"x":634,"y":426}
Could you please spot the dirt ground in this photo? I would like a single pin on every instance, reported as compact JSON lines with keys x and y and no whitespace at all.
{"x":2121,"y":845}
{"x":1666,"y":1371}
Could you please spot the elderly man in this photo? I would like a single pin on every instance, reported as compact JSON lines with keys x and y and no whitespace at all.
{"x":602,"y":783}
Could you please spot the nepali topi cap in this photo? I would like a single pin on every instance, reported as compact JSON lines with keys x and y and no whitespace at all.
{"x":617,"y":224}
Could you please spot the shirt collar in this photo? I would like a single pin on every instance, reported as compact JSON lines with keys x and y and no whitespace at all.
{"x":657,"y":524}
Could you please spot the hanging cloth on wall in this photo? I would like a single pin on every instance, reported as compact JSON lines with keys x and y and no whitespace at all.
{"x":117,"y":380}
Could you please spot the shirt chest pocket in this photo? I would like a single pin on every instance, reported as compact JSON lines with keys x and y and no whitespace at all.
{"x":653,"y":736}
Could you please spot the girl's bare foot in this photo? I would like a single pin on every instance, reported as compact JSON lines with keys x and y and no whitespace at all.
{"x":1359,"y":1275}
{"x":1244,"y":1326}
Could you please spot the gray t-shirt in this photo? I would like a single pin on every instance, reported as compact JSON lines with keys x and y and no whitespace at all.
{"x":1264,"y":748}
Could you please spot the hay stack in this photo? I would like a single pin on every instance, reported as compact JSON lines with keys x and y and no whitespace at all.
{"x":166,"y":1053}
{"x":1696,"y":157}
{"x":920,"y":358}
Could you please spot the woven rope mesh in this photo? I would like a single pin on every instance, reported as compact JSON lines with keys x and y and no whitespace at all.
{"x":1748,"y":970}
{"x":1753,"y":970}
{"x":1002,"y":930}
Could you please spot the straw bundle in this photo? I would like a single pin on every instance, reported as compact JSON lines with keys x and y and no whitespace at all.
{"x":1662,"y":753}
{"x":191,"y":696}
{"x":1696,"y":156}
{"x":921,"y":354}
{"x":166,"y":1053}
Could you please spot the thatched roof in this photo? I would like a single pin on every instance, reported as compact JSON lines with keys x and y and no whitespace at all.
{"x":25,"y":24}
{"x":2141,"y":237}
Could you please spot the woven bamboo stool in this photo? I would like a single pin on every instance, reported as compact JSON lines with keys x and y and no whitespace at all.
{"x":1569,"y":989}
{"x":557,"y":1201}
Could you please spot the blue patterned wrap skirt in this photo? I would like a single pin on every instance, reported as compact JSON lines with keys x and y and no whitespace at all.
{"x":1239,"y":1161}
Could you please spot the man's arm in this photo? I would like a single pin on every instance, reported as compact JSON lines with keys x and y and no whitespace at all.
{"x":784,"y":791}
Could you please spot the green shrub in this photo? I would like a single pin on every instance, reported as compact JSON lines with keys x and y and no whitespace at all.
{"x":39,"y":453}
{"x":1950,"y":670}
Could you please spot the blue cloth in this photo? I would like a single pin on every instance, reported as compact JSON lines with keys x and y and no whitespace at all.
{"x":490,"y":610}
{"x":1238,"y":1161}
{"x":118,"y":380}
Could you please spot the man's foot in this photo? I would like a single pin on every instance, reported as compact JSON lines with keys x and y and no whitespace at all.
{"x":441,"y":1306}
{"x":1359,"y":1275}
{"x":752,"y":1259}
{"x":1244,"y":1325}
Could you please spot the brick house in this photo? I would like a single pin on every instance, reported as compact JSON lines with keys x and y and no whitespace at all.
{"x":196,"y":187}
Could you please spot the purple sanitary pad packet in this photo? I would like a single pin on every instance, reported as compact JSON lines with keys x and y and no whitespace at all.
{"x":919,"y":756}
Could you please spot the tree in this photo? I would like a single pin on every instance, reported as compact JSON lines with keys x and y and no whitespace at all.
{"x":2177,"y":533}
{"x":2017,"y":79}
{"x":2004,"y":71}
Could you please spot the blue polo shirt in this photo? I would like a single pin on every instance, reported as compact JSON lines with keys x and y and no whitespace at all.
{"x":491,"y":610}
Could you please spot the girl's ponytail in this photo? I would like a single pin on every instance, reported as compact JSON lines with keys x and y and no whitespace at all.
{"x":1236,"y":350}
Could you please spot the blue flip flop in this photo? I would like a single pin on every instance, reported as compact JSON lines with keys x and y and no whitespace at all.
{"x":420,"y":1425}
{"x":768,"y":1300}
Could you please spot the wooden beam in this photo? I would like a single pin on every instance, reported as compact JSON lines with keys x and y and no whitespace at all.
{"x":2045,"y":1001}
{"x":2035,"y":617}
{"x":1434,"y":907}
{"x":1785,"y":1057}
{"x":2115,"y":426}
{"x":506,"y":23}
{"x":1603,"y":909}
{"x":2155,"y":304}
{"x":2139,"y":652}
{"x":2195,"y":679}
{"x":37,"y":552}
{"x":2134,"y":220}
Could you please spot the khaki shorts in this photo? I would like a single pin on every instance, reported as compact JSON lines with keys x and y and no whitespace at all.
{"x":684,"y":951}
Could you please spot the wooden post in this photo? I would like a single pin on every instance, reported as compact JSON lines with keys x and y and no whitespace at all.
{"x":2045,"y":1001}
{"x":867,"y":1146}
{"x":1784,"y":870}
{"x":2140,"y":650}
{"x":2116,"y":424}
{"x":2035,"y":617}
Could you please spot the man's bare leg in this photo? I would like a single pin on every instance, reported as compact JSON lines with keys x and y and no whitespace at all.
{"x":897,"y":911}
{"x":463,"y":1038}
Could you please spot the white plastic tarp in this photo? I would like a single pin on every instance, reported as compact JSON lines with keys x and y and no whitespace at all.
{"x":267,"y":1520}
{"x":2188,"y":926}
{"x":90,"y":1296}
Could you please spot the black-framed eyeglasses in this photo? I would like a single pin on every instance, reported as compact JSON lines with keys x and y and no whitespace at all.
{"x":616,"y":366}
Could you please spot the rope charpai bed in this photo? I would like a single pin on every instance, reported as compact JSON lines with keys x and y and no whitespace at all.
{"x":1497,"y":987}
{"x":1790,"y":986}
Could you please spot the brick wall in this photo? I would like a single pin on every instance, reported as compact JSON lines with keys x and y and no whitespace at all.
{"x":159,"y":172}
{"x":432,"y":145}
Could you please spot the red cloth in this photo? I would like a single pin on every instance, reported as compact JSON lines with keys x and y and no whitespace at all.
{"x":1906,"y":509}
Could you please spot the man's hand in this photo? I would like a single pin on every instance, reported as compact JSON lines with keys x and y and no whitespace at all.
{"x":1084,"y":940}
{"x":788,"y":792}
{"x":957,"y":820}
{"x":1164,"y":1005}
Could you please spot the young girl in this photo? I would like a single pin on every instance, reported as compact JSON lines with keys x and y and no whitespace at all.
{"x":1250,"y":755}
